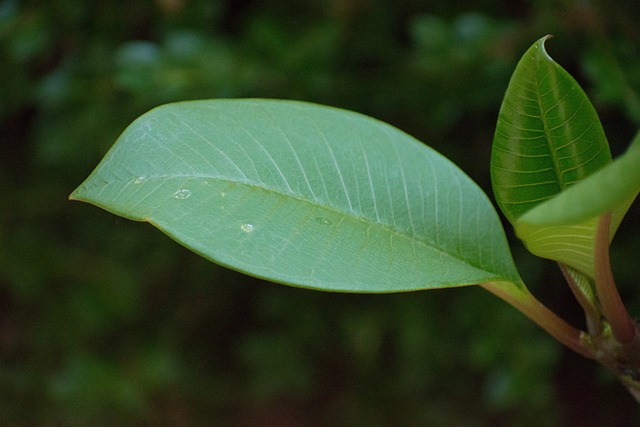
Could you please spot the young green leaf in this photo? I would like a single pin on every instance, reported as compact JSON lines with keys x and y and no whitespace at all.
{"x":547,"y":139}
{"x":548,"y":135}
{"x":304,"y":195}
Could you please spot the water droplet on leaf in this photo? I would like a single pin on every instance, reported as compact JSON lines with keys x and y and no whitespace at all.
{"x":323,"y":221}
{"x":247,"y":228}
{"x":139,"y":180}
{"x":183,"y":193}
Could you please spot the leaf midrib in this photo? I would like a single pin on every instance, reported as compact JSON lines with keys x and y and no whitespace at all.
{"x":546,"y":130}
{"x":364,"y":219}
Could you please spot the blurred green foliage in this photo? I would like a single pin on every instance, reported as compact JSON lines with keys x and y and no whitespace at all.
{"x":108,"y":322}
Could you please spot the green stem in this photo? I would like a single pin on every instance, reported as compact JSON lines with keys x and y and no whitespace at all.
{"x":611,"y":304}
{"x":526,"y":303}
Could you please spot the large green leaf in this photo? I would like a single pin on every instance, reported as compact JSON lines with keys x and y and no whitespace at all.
{"x":548,"y":138}
{"x":304,"y":195}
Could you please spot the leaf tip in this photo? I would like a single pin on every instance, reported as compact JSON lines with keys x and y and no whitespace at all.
{"x":75,"y":195}
{"x":541,"y":43}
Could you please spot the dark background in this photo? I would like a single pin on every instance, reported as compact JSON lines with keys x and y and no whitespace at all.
{"x":104,"y":321}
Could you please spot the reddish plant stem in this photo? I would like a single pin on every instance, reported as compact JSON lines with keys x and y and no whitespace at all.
{"x":527,"y":304}
{"x":611,"y":304}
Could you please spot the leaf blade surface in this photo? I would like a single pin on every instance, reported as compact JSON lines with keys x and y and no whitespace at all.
{"x":305,"y":195}
{"x":610,"y":189}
